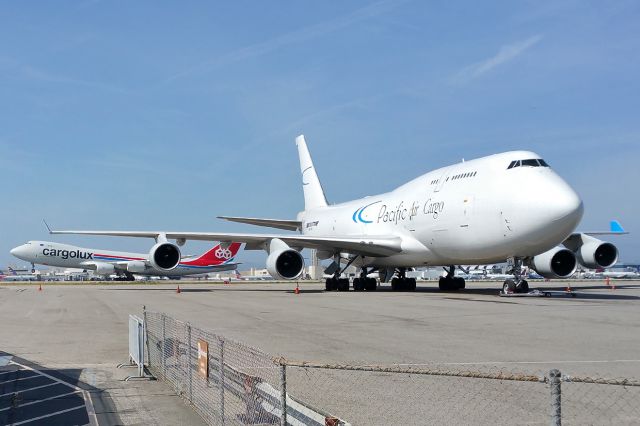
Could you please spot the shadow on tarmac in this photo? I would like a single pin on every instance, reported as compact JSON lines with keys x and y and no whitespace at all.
{"x":580,"y":292}
{"x":34,"y":394}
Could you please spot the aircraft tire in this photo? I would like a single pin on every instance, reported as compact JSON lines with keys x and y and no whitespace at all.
{"x":396,"y":284}
{"x":370,"y":284}
{"x":410,"y":284}
{"x":330,"y":284}
{"x":522,"y":287}
{"x":459,"y":283}
{"x":358,"y":284}
{"x":343,"y":284}
{"x":445,"y":284}
{"x":509,"y":286}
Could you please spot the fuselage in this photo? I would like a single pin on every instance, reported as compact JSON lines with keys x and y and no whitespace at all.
{"x":475,"y":212}
{"x":68,"y":256}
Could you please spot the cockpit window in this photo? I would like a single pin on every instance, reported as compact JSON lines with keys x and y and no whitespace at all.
{"x":532,"y":162}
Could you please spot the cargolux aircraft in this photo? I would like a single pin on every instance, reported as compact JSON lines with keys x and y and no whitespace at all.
{"x":466,"y":213}
{"x":103,"y":262}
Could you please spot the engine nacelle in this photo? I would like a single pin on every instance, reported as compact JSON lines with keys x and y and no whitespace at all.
{"x":283,"y":262}
{"x":597,"y":254}
{"x":164,"y":256}
{"x":136,"y":267}
{"x":556,"y":263}
{"x":105,"y":269}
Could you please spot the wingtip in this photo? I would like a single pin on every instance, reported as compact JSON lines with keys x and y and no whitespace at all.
{"x":47,"y":226}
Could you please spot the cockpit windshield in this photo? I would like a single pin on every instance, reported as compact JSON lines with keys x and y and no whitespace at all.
{"x":533,"y":162}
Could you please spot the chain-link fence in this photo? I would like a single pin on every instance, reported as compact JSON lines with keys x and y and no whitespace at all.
{"x":230,"y":383}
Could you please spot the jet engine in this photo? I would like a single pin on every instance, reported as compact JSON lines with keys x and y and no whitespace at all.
{"x":595,"y":254}
{"x":105,"y":269}
{"x":283,"y":262}
{"x":556,"y":263}
{"x":164,"y":256}
{"x":136,"y":266}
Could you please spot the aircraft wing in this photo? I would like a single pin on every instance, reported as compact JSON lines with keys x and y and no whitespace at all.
{"x":370,"y":246}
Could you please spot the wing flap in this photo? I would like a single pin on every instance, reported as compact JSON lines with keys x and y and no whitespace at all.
{"x":288,"y":225}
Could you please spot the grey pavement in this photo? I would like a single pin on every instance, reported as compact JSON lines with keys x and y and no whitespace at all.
{"x":85,"y":327}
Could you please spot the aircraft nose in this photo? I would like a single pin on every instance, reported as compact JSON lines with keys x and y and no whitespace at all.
{"x":18,"y":251}
{"x":562,"y":204}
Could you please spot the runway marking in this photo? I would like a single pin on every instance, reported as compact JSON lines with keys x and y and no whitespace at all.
{"x":600,"y":361}
{"x":41,"y":400}
{"x":49,"y":415}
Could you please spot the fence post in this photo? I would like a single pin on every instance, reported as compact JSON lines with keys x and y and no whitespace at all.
{"x":163,"y":346}
{"x":283,"y":393}
{"x":145,"y":342}
{"x":556,"y":404}
{"x":189,"y":354}
{"x":221,"y":382}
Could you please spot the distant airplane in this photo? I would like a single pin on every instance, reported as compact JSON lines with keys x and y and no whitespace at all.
{"x":159,"y":262}
{"x":14,"y":276}
{"x":466,"y":213}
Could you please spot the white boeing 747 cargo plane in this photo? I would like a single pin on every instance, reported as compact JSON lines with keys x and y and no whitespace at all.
{"x":466,"y":213}
{"x":104,"y":262}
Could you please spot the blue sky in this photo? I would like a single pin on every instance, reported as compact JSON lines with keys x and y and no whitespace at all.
{"x":163,"y":115}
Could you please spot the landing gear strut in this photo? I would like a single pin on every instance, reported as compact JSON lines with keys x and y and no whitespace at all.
{"x":450,"y":281}
{"x":402,"y":283}
{"x":518,"y":284}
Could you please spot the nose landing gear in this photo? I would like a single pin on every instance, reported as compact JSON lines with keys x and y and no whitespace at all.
{"x":518,"y":284}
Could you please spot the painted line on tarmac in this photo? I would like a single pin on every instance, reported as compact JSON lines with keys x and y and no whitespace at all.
{"x":29,"y":389}
{"x":599,"y":361}
{"x":48,"y":415}
{"x":93,"y":420}
{"x":19,"y":379}
{"x":41,"y":400}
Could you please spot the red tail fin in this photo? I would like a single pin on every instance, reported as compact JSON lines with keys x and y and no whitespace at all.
{"x":216,"y":256}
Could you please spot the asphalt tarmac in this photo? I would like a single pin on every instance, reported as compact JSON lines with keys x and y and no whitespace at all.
{"x":83,"y":328}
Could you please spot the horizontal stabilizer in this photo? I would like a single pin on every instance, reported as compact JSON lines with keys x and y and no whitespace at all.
{"x":289,"y":225}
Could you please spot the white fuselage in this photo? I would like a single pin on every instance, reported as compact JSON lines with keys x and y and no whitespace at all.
{"x":68,"y":256}
{"x":474,"y":212}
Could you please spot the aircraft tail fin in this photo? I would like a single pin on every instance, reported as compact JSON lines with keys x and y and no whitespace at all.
{"x":313,"y":193}
{"x":218,"y":255}
{"x":614,"y":229}
{"x":614,"y":226}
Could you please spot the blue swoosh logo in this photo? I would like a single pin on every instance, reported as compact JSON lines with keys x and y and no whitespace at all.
{"x":357,"y":215}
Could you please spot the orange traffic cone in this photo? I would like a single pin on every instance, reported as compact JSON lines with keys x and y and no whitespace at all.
{"x":40,"y":287}
{"x":178,"y":289}
{"x":607,"y":281}
{"x":568,"y":289}
{"x":297,"y":290}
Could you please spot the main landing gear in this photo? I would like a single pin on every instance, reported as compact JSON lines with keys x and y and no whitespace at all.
{"x":517,"y":284}
{"x":402,"y":283}
{"x":450,"y":281}
{"x":361,"y":283}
